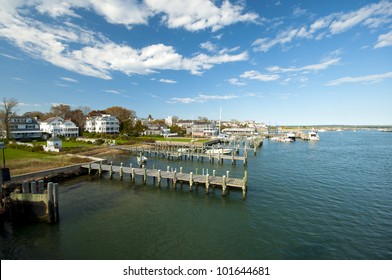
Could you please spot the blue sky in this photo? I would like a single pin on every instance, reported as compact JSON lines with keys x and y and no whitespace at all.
{"x":273,"y":61}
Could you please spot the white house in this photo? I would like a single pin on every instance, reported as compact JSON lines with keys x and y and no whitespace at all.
{"x":53,"y":144}
{"x":103,"y":124}
{"x":59,"y":126}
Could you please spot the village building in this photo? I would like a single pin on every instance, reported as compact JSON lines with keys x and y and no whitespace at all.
{"x":59,"y":126}
{"x":24,"y":128}
{"x":103,"y":124}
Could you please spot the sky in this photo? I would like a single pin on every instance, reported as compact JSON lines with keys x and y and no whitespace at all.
{"x":272,"y":61}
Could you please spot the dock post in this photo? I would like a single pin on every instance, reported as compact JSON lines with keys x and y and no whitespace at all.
{"x":111,"y":170}
{"x":25,"y":187}
{"x":168,"y":168}
{"x":89,"y":168}
{"x":174,"y":179}
{"x":100,"y":168}
{"x":219,"y":157}
{"x":232,"y":159}
{"x":244,"y":189}
{"x":180,"y":169}
{"x":50,"y":203}
{"x":254,"y":149}
{"x":159,"y":177}
{"x":33,"y":186}
{"x":245,"y":157}
{"x":133,"y":174}
{"x":190,"y":181}
{"x":197,"y":169}
{"x":144,"y":174}
{"x":223,"y":185}
{"x":227,"y":174}
{"x":41,"y":186}
{"x":207,"y":183}
{"x":121,"y":171}
{"x":213,"y":172}
{"x":56,"y":202}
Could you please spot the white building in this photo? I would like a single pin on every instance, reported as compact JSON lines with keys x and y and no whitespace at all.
{"x":58,"y":126}
{"x":103,"y":124}
{"x":53,"y":144}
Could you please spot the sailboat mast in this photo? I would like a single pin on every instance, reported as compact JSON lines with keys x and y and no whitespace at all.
{"x":220,"y":120}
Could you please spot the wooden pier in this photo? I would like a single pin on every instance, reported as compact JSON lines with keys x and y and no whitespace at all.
{"x":225,"y":182}
{"x":186,"y":154}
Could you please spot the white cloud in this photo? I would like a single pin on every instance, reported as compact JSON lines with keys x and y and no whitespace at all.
{"x":384,"y":40}
{"x":112,"y":91}
{"x":167,"y":81}
{"x":255,"y":75}
{"x":370,"y":79}
{"x":192,"y":15}
{"x":9,"y":56}
{"x":199,"y":14}
{"x":201,"y":98}
{"x":371,"y":16}
{"x":313,"y":67}
{"x":69,"y":79}
{"x":97,"y":56}
{"x":209,"y":46}
{"x":236,"y":82}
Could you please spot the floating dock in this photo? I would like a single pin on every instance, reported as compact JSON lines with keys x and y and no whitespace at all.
{"x":225,"y":182}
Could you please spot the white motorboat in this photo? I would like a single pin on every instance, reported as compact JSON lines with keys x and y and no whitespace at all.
{"x":221,"y":151}
{"x":140,"y":160}
{"x":313,"y":135}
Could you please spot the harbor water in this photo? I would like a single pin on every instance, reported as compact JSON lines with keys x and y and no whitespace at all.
{"x":327,"y":199}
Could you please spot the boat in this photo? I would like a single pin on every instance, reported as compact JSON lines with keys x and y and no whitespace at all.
{"x":221,"y":151}
{"x":313,"y":135}
{"x":140,"y":160}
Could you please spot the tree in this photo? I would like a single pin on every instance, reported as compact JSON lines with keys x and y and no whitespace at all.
{"x":78,"y":118}
{"x":122,"y":114}
{"x":61,"y":110}
{"x":7,"y":112}
{"x":36,"y":114}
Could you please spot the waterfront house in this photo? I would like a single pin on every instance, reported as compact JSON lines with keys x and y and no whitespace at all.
{"x":247,"y":131}
{"x":155,"y":130}
{"x":59,"y":126}
{"x":204,"y":129}
{"x":103,"y":124}
{"x":24,"y":128}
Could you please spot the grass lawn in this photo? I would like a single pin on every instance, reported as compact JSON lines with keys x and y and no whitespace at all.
{"x":21,"y":162}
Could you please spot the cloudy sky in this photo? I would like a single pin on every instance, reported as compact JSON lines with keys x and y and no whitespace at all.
{"x":273,"y":61}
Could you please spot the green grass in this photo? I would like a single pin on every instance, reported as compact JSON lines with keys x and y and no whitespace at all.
{"x":15,"y":154}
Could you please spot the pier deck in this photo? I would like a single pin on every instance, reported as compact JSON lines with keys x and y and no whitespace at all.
{"x":187,"y":155}
{"x":174,"y":176}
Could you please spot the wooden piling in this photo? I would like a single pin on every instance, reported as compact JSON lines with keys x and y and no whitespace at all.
{"x":190,"y":181}
{"x":33,"y":186}
{"x":159,"y":177}
{"x":207,"y":183}
{"x":133,"y":174}
{"x":56,"y":202}
{"x":25,"y":187}
{"x":121,"y":171}
{"x":223,"y":185}
{"x":174,"y":179}
{"x":40,"y":186}
{"x":50,"y":203}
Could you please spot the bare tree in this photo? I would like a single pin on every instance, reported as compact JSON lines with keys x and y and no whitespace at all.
{"x":61,"y":110}
{"x":7,"y":112}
